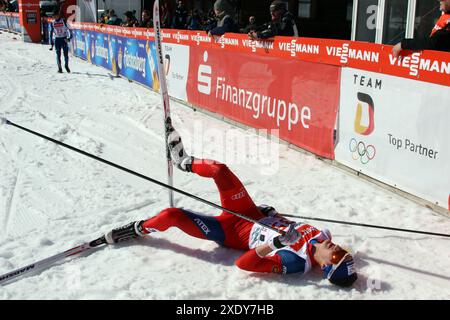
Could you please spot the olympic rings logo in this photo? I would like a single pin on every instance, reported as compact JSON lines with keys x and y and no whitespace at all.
{"x":362,"y":152}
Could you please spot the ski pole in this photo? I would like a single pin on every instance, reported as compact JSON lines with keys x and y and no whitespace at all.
{"x":369,"y":225}
{"x":48,"y":262}
{"x":164,"y":94}
{"x":112,"y":164}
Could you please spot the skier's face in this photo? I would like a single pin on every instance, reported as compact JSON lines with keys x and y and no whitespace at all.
{"x":326,"y":250}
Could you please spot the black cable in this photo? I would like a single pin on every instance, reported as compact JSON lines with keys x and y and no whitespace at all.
{"x":112,"y":164}
{"x":369,"y":225}
{"x":208,"y":202}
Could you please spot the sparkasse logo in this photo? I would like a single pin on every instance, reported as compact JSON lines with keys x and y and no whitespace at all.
{"x":204,"y":76}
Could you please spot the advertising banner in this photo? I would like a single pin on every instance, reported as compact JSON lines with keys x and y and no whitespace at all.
{"x":79,"y":44}
{"x":298,"y":98}
{"x":395,"y":134}
{"x":426,"y":66}
{"x":4,"y":22}
{"x":176,"y":68}
{"x":134,"y":59}
{"x":10,"y":22}
{"x":30,"y":19}
{"x":101,"y":56}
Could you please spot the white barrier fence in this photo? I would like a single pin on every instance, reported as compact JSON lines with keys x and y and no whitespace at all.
{"x":397,"y":131}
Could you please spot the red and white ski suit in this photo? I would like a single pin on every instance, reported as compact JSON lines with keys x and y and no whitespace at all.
{"x":234,"y":232}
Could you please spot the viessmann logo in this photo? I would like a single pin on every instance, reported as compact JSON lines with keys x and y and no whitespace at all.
{"x":359,"y":149}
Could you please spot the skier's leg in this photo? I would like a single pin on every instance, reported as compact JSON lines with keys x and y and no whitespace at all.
{"x":232,"y":192}
{"x":193,"y":224}
{"x":66,"y":56}
{"x":58,"y":54}
{"x":233,"y":195}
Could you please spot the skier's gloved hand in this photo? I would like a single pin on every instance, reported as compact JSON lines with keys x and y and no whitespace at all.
{"x":289,"y":238}
{"x":67,"y":39}
{"x":179,"y":156}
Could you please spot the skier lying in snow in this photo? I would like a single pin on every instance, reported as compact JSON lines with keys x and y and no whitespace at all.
{"x":301,"y":248}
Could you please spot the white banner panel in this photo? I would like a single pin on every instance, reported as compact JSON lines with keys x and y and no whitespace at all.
{"x":177,"y":70}
{"x":397,"y":131}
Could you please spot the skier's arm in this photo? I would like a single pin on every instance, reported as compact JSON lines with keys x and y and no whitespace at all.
{"x":252,"y":261}
{"x":283,"y":262}
{"x":70,"y":33}
{"x":52,"y":30}
{"x":68,"y":30}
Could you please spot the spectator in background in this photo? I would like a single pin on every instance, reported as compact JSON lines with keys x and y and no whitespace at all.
{"x":194,"y":20}
{"x":180,"y":17}
{"x":210,"y":21}
{"x":282,"y":24}
{"x":439,"y":38}
{"x":129,"y":20}
{"x":113,"y":19}
{"x":165,"y":15}
{"x":251,"y":25}
{"x":224,"y":12}
{"x":13,"y":5}
{"x":5,"y":6}
{"x":104,"y":17}
{"x":146,"y":20}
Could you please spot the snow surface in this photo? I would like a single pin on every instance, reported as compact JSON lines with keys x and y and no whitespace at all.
{"x":52,"y":199}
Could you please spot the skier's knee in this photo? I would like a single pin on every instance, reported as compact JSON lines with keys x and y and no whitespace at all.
{"x":171,"y":214}
{"x":220,"y":169}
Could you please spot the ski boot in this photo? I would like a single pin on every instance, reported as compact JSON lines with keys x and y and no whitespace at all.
{"x":179,"y":157}
{"x":127,"y":232}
